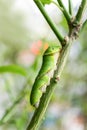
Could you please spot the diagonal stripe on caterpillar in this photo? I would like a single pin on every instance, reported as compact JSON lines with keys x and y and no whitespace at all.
{"x":46,"y":72}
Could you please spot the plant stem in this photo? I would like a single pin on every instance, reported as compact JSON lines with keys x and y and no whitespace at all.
{"x":70,"y":7}
{"x":57,"y":5}
{"x":84,"y":25}
{"x":80,"y":11}
{"x":66,"y":14}
{"x":9,"y":110}
{"x":44,"y":101}
{"x":19,"y":99}
{"x":40,"y":111}
{"x":49,"y":20}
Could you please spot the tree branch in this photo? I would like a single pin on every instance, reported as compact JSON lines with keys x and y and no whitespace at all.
{"x":80,"y":11}
{"x":19,"y":98}
{"x":70,"y":6}
{"x":66,"y":14}
{"x":57,"y":5}
{"x":84,"y":25}
{"x":44,"y":101}
{"x":40,"y":111}
{"x":49,"y":20}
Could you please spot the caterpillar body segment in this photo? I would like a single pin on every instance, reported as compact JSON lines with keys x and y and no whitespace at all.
{"x":46,"y":72}
{"x":36,"y":92}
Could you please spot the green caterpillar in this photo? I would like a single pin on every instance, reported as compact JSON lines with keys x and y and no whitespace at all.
{"x":46,"y":72}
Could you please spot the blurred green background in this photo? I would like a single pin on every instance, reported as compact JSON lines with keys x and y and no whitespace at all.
{"x":24,"y":35}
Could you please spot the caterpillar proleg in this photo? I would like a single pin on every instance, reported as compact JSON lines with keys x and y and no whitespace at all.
{"x":46,"y":72}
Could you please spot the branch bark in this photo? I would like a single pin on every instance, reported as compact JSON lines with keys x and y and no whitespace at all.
{"x":66,"y":44}
{"x":40,"y":111}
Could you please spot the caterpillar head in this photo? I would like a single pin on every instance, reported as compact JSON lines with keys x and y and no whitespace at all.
{"x":52,"y":50}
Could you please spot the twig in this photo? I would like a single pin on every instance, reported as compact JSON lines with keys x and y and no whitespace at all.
{"x":70,"y":7}
{"x":49,"y":20}
{"x":57,"y":5}
{"x":66,"y":14}
{"x":84,"y":25}
{"x":80,"y":11}
{"x":40,"y":111}
{"x":9,"y":110}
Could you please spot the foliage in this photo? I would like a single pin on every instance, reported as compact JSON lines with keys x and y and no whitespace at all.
{"x":15,"y":109}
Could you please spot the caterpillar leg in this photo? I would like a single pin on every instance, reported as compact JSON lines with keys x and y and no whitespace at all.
{"x":36,"y":105}
{"x":43,"y":89}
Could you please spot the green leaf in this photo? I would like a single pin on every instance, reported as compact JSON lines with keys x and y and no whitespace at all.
{"x":46,"y":1}
{"x":13,"y":69}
